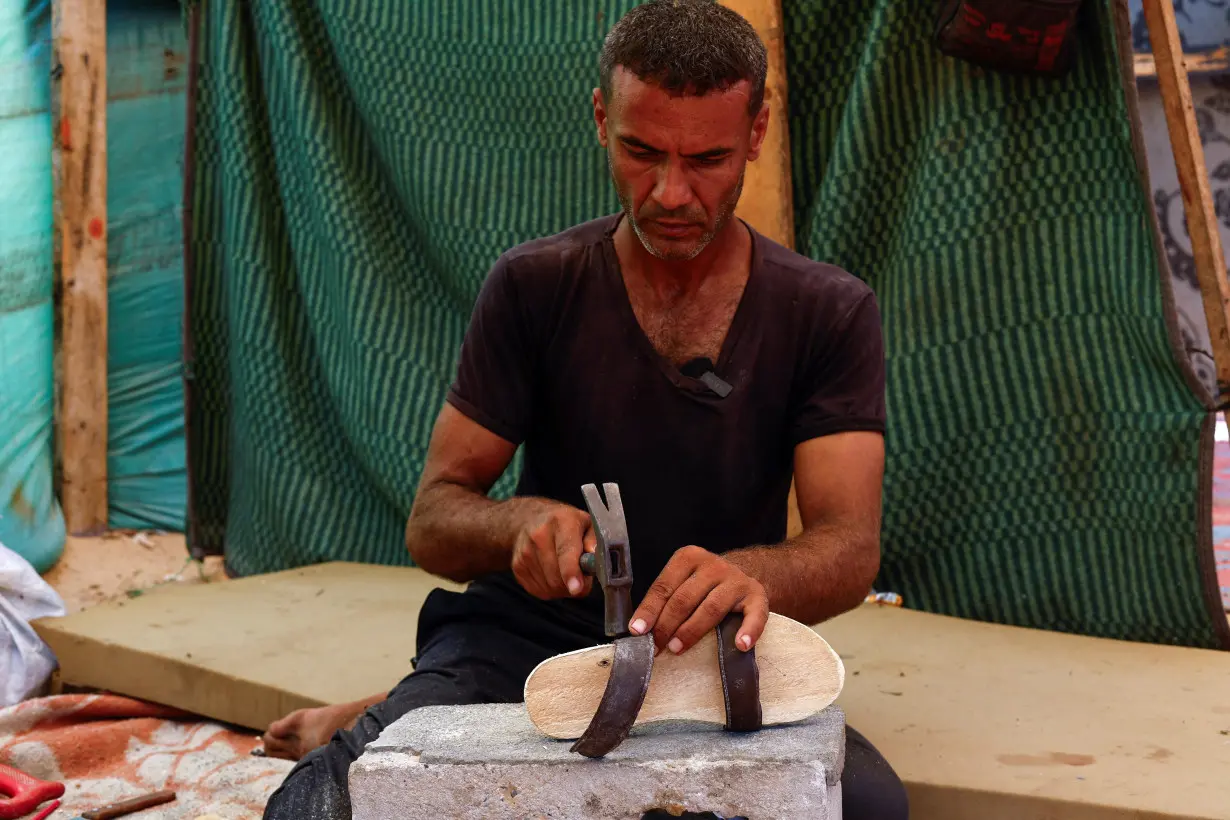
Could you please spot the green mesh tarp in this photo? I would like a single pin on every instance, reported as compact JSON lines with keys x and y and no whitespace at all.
{"x":359,"y":164}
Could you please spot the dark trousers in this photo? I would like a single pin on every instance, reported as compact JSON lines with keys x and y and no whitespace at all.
{"x":474,"y":648}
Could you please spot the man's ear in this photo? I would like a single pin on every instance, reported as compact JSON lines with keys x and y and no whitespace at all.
{"x":600,"y":116}
{"x":760,"y":125}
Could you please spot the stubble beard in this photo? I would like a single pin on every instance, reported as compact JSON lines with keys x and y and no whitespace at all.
{"x":725,"y":211}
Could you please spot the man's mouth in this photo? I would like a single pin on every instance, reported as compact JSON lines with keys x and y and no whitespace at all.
{"x":674,"y":228}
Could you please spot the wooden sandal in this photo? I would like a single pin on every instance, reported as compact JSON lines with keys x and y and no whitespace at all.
{"x":790,"y":675}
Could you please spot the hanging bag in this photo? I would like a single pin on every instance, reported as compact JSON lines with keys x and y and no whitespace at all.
{"x":1014,"y":36}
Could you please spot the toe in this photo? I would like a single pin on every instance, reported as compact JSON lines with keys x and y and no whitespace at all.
{"x":285,"y":748}
{"x":284,"y":727}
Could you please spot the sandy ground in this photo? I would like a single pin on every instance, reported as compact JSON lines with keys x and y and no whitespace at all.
{"x":122,"y":563}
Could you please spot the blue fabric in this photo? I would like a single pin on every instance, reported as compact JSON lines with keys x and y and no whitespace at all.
{"x":146,"y":81}
{"x":31,"y":523}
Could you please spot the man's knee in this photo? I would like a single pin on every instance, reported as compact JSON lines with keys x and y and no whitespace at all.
{"x":870,"y":789}
{"x":318,"y":787}
{"x":315,"y":787}
{"x":880,"y":797}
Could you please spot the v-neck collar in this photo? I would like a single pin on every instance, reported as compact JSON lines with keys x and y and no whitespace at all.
{"x":734,"y":333}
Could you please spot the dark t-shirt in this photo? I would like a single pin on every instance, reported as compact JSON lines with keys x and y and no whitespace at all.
{"x":554,"y":358}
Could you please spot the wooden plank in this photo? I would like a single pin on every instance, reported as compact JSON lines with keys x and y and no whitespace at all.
{"x":767,"y":202}
{"x":79,"y":162}
{"x":1216,"y":61}
{"x":1202,"y":225}
{"x":988,"y":721}
{"x":250,"y":650}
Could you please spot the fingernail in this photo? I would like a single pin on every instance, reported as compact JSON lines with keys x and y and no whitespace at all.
{"x":675,"y":645}
{"x":637,"y":626}
{"x":745,"y":641}
{"x":574,"y":586}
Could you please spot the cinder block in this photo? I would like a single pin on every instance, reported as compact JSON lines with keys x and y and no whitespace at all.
{"x":490,"y":762}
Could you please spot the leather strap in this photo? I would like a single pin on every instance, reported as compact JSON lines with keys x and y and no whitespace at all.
{"x":623,"y":698}
{"x":740,"y":678}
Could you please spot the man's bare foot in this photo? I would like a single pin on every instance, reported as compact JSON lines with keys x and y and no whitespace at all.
{"x":300,"y":732}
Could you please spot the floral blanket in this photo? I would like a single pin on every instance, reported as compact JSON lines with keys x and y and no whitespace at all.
{"x":105,"y":748}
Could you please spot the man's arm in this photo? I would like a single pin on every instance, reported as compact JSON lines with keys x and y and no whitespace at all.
{"x":824,"y":571}
{"x":829,"y":567}
{"x":457,"y":532}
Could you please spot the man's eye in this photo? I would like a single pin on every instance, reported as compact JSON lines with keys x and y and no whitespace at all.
{"x":639,"y":154}
{"x":710,"y":161}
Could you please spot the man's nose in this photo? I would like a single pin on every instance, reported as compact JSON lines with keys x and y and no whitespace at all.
{"x":672,"y":191}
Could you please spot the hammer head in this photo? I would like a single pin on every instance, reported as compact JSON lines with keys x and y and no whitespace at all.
{"x":611,"y":563}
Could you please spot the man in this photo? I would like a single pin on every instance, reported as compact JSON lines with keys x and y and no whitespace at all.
{"x":668,"y":348}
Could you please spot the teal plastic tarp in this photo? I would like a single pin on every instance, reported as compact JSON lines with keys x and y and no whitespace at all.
{"x":146,"y":74}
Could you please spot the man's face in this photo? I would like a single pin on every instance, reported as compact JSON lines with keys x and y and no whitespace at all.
{"x":677,"y":161}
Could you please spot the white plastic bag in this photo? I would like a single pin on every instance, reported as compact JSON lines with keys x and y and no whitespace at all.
{"x":25,"y":661}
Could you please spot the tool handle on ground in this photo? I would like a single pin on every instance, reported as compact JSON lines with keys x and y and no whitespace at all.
{"x":21,"y":794}
{"x":124,"y":807}
{"x":47,"y":810}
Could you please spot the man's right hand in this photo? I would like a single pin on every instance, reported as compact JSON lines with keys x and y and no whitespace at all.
{"x":546,"y":557}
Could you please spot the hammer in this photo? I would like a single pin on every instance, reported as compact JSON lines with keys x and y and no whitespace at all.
{"x":611,"y":563}
{"x":632,"y":663}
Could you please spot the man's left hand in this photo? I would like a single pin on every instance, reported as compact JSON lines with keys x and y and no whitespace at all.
{"x":695,"y":591}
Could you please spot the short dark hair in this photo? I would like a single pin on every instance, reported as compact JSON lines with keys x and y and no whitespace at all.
{"x":686,"y":47}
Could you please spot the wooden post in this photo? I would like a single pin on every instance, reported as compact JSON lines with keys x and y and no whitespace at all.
{"x":768,"y":200}
{"x":79,"y":162}
{"x":1202,"y":224}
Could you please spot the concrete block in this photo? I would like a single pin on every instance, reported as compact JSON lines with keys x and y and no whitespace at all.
{"x":489,"y":761}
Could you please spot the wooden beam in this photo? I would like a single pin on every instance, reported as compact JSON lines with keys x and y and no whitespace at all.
{"x":1202,"y":225}
{"x":79,"y":162}
{"x":767,"y":202}
{"x":942,"y":698}
{"x":1216,"y":61}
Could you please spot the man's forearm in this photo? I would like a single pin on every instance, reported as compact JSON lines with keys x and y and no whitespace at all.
{"x":460,"y":534}
{"x":817,"y":575}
